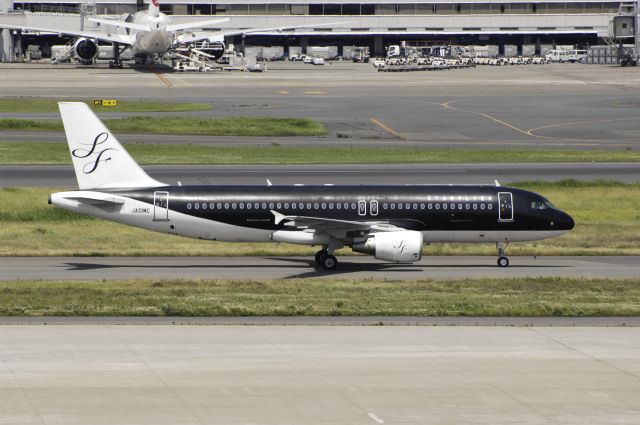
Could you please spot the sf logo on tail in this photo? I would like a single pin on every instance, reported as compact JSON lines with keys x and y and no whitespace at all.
{"x":94,"y":153}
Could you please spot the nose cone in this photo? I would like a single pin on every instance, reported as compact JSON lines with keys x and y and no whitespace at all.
{"x":565,"y":221}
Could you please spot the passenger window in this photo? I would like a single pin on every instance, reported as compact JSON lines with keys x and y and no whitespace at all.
{"x":324,"y":206}
{"x":489,"y":206}
{"x":264,"y":206}
{"x":308,"y":206}
{"x":353,"y":206}
{"x":481,"y":206}
{"x":294,"y":206}
{"x":189,"y":206}
{"x":437,"y":206}
{"x":459,"y":206}
{"x":234,"y":206}
{"x":422,"y":206}
{"x":197,"y":206}
{"x":331,"y":205}
{"x":475,"y":206}
{"x":286,"y":205}
{"x":373,"y":208}
{"x":278,"y":205}
{"x":211,"y":206}
{"x":445,"y":206}
{"x":430,"y":206}
{"x":393,"y":206}
{"x":219,"y":206}
{"x":385,"y":206}
{"x":339,"y":206}
{"x":300,"y":206}
{"x":316,"y":206}
{"x":399,"y":206}
{"x":271,"y":206}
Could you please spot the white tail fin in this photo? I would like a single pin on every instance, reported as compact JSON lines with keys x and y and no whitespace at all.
{"x":98,"y":158}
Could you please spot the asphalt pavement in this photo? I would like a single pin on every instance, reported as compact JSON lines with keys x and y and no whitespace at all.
{"x":356,"y":267}
{"x":63,"y":175}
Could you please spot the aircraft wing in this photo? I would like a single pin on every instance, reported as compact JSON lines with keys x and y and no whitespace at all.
{"x":111,"y":38}
{"x":195,"y":25}
{"x":121,"y":24}
{"x":278,"y":29}
{"x":220,"y":35}
{"x":330,"y":224}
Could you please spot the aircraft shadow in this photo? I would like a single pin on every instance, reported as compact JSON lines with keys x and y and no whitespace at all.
{"x":310,"y":266}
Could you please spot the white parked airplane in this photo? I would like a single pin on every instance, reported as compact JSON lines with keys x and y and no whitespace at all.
{"x":149,"y":32}
{"x":389,"y":222}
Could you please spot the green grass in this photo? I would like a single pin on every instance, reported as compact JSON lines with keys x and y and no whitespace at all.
{"x":58,"y":153}
{"x":231,"y":126}
{"x":323,"y":297}
{"x":607,"y":218}
{"x":38,"y":105}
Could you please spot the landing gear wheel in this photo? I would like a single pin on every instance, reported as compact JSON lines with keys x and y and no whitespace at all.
{"x":319,"y":255}
{"x":328,"y":262}
{"x":503,"y":262}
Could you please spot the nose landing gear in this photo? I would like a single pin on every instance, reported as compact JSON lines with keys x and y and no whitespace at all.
{"x":503,"y":261}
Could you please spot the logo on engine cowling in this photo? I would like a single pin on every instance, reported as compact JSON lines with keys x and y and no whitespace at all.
{"x":95,"y":152}
{"x":401,"y":246}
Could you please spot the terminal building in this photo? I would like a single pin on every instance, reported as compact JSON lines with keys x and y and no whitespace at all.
{"x":376,"y":23}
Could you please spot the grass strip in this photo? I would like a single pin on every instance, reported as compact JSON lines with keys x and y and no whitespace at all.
{"x":329,"y":297}
{"x":607,"y":218}
{"x":230,"y":126}
{"x":24,"y":153}
{"x":38,"y":105}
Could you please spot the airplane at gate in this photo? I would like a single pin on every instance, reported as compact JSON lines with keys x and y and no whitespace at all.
{"x":150,"y":32}
{"x":389,"y":222}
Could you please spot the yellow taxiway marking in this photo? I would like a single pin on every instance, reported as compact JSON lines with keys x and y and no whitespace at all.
{"x":567,"y":124}
{"x":447,"y":105}
{"x":162,"y":78}
{"x":386,"y":128}
{"x":283,"y":92}
{"x":315,"y":92}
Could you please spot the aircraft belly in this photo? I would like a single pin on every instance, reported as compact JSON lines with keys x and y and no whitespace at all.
{"x":490,"y":236}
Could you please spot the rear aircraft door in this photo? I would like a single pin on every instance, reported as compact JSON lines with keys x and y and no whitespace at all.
{"x":505,"y":212}
{"x":160,"y":206}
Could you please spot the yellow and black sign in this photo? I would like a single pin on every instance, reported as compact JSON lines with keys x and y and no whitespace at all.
{"x":105,"y":102}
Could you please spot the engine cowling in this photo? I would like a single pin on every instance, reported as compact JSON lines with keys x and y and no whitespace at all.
{"x":216,"y":49}
{"x":400,"y":247}
{"x":86,"y":49}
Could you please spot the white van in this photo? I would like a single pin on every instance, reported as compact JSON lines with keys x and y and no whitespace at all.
{"x":576,"y":55}
{"x":557,"y":56}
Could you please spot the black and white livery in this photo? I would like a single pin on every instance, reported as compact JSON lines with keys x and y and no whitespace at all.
{"x":389,"y":222}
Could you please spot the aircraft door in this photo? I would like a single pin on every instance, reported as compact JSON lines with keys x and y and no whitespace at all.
{"x":362,"y":207}
{"x":373,"y":207}
{"x":160,"y":206}
{"x":505,"y":210}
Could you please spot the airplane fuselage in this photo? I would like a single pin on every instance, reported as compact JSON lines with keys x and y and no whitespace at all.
{"x":156,"y":41}
{"x":246,"y":213}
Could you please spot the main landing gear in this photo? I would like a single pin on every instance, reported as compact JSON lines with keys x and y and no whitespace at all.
{"x":503,"y":261}
{"x":326,"y":260}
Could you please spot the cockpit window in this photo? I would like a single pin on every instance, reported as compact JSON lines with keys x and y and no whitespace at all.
{"x":541,"y":204}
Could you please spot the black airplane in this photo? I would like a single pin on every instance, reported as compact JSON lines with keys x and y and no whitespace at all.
{"x":389,"y":222}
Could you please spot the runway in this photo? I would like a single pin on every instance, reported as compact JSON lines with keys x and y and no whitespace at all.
{"x":352,"y":267}
{"x":63,"y":175}
{"x":318,"y":375}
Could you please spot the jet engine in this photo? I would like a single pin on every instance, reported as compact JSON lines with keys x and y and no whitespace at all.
{"x":86,"y":49}
{"x":216,"y":49}
{"x":400,"y":247}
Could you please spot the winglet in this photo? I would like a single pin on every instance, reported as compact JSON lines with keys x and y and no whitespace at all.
{"x":278,"y":217}
{"x":497,"y":183}
{"x":269,"y":183}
